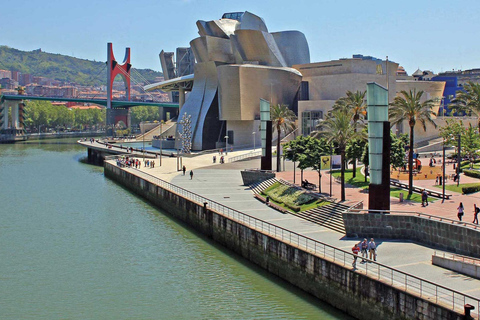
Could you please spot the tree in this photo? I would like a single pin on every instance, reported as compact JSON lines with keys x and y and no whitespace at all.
{"x":468,"y":100}
{"x":295,"y":150}
{"x":354,"y":103}
{"x":337,"y":128}
{"x":471,"y":144}
{"x":407,"y":107}
{"x":316,"y":148}
{"x":282,"y":119}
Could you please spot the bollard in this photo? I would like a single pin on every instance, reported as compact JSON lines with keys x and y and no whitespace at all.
{"x":401,"y":196}
{"x":468,"y":308}
{"x":267,"y":200}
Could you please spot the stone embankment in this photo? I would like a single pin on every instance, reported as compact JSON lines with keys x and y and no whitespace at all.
{"x":273,"y":249}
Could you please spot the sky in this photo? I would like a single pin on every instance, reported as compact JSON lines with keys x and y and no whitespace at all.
{"x":430,"y":35}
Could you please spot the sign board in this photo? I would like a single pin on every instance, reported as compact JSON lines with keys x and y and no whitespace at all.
{"x":264,"y":117}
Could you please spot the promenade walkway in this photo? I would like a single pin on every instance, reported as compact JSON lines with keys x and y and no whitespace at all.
{"x":222,"y":183}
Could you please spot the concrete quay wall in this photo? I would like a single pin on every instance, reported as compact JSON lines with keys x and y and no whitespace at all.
{"x":434,"y":233}
{"x":356,"y":294}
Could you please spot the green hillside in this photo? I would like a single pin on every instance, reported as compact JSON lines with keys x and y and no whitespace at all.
{"x":61,"y":67}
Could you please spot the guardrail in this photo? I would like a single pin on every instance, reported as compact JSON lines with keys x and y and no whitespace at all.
{"x":447,"y":297}
{"x":423,"y":215}
{"x":457,"y":257}
{"x":245,"y":156}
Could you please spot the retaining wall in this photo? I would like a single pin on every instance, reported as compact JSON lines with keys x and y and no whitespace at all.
{"x":357,"y":295}
{"x":434,"y":233}
{"x":470,"y":269}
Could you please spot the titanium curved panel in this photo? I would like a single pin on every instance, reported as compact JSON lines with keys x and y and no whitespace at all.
{"x":222,"y":28}
{"x":293,"y":46}
{"x":199,"y":48}
{"x":193,"y":102}
{"x":212,"y":49}
{"x":242,"y":86}
{"x":211,"y":86}
{"x":254,"y":45}
{"x":203,"y":29}
{"x":250,"y":21}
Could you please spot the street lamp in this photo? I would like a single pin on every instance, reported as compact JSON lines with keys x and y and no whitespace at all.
{"x":226,"y":145}
{"x":253,"y":133}
{"x":443,"y":172}
{"x":160,"y":137}
{"x":293,"y":159}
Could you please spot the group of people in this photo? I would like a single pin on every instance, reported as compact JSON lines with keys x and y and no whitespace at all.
{"x":461,"y":212}
{"x":134,"y":163}
{"x":367,"y":249}
{"x":184,"y":169}
{"x":222,"y":159}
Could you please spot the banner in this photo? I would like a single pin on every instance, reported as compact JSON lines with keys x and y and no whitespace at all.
{"x":325,"y":163}
{"x":336,"y":162}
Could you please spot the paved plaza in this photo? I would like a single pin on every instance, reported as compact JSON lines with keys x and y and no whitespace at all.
{"x":222,"y":183}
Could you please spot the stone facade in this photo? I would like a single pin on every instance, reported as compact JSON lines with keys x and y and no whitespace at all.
{"x":354,"y":293}
{"x":433,"y":233}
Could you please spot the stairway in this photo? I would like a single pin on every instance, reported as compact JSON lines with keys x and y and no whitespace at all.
{"x":148,"y":136}
{"x":328,"y":216}
{"x":258,"y":187}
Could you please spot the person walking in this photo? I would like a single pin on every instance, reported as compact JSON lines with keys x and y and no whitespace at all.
{"x":476,"y":210}
{"x":355,"y":250}
{"x":184,"y":169}
{"x":364,"y":248}
{"x":372,"y":250}
{"x":191,"y":174}
{"x":424,"y":198}
{"x":460,"y":211}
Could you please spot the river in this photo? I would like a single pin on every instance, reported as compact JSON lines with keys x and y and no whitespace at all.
{"x":75,"y":245}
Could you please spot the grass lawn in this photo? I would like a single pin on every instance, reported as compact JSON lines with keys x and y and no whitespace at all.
{"x":467,"y":166}
{"x":359,"y":182}
{"x":304,"y":207}
{"x":454,"y":188}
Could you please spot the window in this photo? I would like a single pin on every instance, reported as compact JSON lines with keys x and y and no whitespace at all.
{"x":310,"y":121}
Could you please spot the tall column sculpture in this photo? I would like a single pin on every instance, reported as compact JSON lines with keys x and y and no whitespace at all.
{"x":378,"y":147}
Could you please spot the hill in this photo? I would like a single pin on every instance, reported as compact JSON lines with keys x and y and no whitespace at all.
{"x":61,"y":67}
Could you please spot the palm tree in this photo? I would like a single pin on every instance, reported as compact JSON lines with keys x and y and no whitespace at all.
{"x":355,"y":103}
{"x":468,"y":100}
{"x":408,"y":107}
{"x":337,"y":128}
{"x":282,"y":119}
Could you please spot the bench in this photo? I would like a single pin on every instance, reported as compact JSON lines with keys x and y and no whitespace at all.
{"x":309,"y":186}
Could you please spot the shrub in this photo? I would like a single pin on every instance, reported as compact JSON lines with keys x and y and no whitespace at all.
{"x":472,"y":173}
{"x":290,"y":196}
{"x":471,"y":189}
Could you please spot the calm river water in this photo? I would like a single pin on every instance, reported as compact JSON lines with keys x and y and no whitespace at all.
{"x":75,"y":245}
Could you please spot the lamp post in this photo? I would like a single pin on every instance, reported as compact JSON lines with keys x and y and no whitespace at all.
{"x":459,"y":159}
{"x":253,"y":133}
{"x":160,"y":137}
{"x":293,"y":157}
{"x":331,"y":165}
{"x":226,"y":145}
{"x":443,"y":171}
{"x":143,"y":135}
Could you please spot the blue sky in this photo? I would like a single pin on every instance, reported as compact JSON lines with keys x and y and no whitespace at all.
{"x":434,"y":35}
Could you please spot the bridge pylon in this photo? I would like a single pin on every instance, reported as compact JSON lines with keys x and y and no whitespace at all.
{"x":114,"y":116}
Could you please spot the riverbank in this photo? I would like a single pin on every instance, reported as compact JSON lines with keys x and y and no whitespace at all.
{"x":312,"y":273}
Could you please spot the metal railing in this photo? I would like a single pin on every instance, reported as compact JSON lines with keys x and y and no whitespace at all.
{"x":245,"y":156}
{"x":457,"y":257}
{"x":414,"y":285}
{"x":423,"y":215}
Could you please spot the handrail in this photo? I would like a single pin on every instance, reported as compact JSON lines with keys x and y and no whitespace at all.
{"x":423,"y":215}
{"x":457,"y":257}
{"x":245,"y":156}
{"x":375,"y":270}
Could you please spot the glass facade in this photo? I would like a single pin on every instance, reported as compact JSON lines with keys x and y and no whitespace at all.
{"x":310,"y":121}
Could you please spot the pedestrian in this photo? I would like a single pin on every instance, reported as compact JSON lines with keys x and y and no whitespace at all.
{"x":476,"y":210}
{"x":372,"y":250}
{"x":424,"y":198}
{"x":364,"y":247}
{"x":355,"y":250}
{"x":184,"y":169}
{"x":191,"y":174}
{"x":460,"y":211}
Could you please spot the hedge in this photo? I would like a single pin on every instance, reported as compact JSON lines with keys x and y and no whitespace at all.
{"x":472,"y":173}
{"x":472,"y":189}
